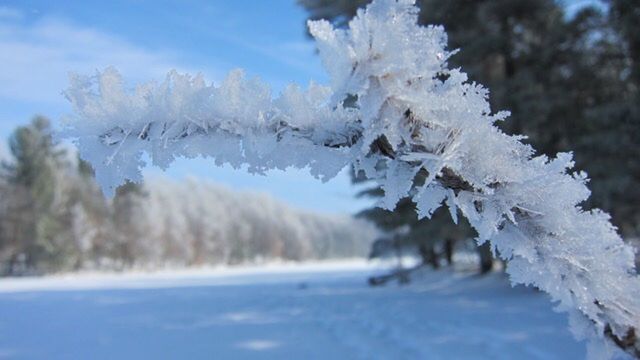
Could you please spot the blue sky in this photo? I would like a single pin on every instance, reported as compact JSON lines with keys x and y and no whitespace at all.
{"x":42,"y":41}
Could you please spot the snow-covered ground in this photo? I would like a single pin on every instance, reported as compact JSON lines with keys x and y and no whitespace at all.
{"x":321,"y":311}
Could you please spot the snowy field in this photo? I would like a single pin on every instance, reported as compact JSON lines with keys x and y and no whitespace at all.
{"x":322,"y":311}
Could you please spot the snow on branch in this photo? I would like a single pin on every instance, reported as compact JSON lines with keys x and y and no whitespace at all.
{"x":393,"y":109}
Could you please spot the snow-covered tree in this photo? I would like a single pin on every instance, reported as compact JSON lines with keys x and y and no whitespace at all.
{"x":393,"y":110}
{"x":194,"y":222}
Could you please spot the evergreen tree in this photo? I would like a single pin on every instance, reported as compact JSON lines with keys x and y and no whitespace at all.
{"x":127,"y":219}
{"x":433,"y":239}
{"x":34,"y":176}
{"x":612,"y":143}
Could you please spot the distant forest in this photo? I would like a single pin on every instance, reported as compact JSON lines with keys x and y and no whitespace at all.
{"x":54,"y":218}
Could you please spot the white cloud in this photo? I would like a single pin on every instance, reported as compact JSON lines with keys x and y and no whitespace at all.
{"x":36,"y":57}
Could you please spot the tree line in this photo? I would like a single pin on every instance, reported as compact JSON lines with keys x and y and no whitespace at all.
{"x":53,"y":217}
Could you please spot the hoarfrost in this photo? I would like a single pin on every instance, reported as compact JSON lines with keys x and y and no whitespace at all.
{"x":393,"y":109}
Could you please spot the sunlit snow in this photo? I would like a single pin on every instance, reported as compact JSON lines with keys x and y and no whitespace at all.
{"x":282,"y":312}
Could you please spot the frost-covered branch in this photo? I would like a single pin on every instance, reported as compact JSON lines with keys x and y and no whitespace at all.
{"x":394,"y":109}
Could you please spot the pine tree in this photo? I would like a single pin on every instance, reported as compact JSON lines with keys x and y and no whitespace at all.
{"x":34,"y":176}
{"x":127,"y":219}
{"x":432,"y":239}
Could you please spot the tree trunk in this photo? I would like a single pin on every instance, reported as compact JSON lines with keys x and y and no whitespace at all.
{"x":486,"y":258}
{"x":448,"y":250}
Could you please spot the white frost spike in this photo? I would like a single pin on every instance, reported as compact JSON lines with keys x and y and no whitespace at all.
{"x":397,"y":184}
{"x":429,"y":199}
{"x":394,"y":109}
{"x":451,"y":204}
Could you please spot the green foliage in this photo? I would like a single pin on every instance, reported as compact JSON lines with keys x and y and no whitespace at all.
{"x":33,"y":174}
{"x":35,"y":160}
{"x":625,"y":17}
